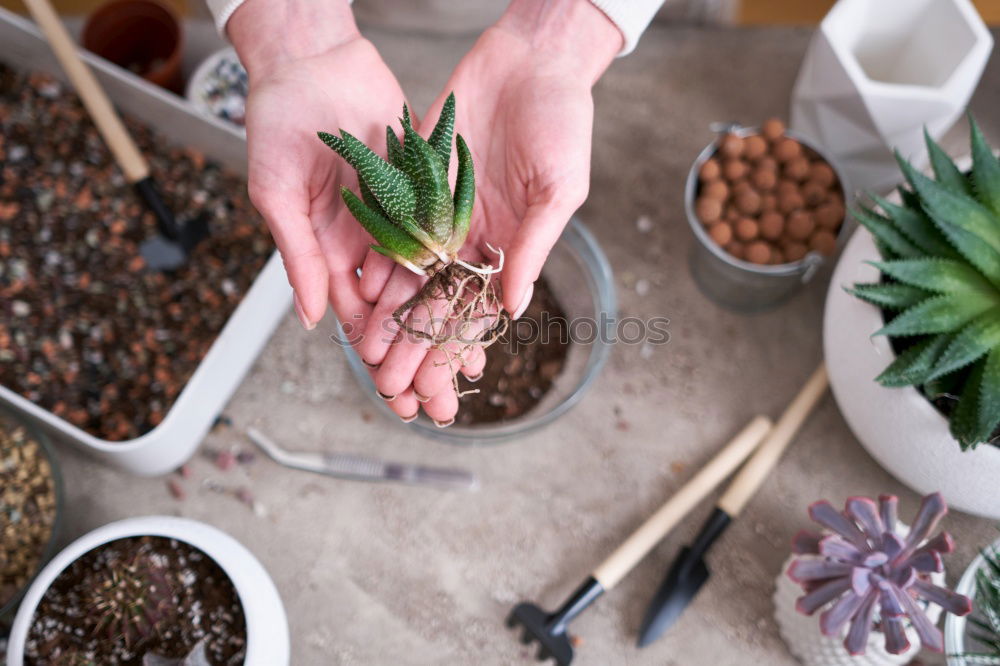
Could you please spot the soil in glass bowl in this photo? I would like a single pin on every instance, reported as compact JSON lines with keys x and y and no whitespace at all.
{"x":86,"y":331}
{"x":521,"y":365}
{"x":28,"y":507}
{"x":138,"y":597}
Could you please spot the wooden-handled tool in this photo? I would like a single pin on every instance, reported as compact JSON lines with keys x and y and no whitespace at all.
{"x":549,"y":629}
{"x":688,"y":573}
{"x":169,"y":250}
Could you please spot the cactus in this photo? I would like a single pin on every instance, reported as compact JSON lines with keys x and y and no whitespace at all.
{"x":405,"y":203}
{"x":133,"y":599}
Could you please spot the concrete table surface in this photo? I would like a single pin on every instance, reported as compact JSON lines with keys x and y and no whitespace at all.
{"x":384,"y":574}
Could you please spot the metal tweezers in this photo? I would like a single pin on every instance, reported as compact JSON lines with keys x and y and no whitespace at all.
{"x":364,"y":468}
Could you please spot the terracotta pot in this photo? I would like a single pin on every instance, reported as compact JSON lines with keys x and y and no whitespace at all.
{"x":142,"y":36}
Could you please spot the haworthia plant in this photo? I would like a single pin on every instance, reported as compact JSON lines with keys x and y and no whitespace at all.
{"x":940,"y":264}
{"x":405,"y":202}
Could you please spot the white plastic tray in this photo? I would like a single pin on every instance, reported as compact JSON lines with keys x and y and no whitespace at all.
{"x":173,"y":441}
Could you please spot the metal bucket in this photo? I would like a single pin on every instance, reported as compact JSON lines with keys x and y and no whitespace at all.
{"x":741,"y":285}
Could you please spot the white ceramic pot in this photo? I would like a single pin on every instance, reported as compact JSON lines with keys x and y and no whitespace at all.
{"x":804,"y":639}
{"x":267,"y":627}
{"x":878,"y":71}
{"x":898,"y":426}
{"x":958,"y":631}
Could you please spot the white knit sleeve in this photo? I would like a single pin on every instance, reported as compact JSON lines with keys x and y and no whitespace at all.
{"x":631,"y":16}
{"x":221,"y":11}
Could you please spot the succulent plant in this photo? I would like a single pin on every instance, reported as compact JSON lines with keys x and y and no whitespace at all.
{"x":406,"y":203}
{"x":865,"y":572}
{"x":132,"y":598}
{"x":940,"y":251}
{"x":986,"y":622}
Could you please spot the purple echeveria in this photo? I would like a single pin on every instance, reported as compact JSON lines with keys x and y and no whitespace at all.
{"x":860,"y":569}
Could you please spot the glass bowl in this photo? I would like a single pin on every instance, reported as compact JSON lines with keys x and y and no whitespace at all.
{"x":576,"y":261}
{"x":10,"y":417}
{"x":957,"y":635}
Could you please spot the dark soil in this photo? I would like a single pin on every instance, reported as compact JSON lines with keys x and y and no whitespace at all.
{"x":177,"y":596}
{"x":521,"y":365}
{"x":85,"y":331}
{"x":27,"y":507}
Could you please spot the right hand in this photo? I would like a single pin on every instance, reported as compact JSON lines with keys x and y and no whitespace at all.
{"x":321,"y":76}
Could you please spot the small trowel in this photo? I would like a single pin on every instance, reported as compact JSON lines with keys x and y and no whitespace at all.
{"x":169,"y":249}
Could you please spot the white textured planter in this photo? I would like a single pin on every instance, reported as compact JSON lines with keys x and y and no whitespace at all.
{"x":267,"y":626}
{"x":878,"y":71}
{"x":802,"y":635}
{"x":898,"y":426}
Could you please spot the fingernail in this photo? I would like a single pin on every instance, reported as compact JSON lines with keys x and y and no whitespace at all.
{"x":524,"y":302}
{"x":444,"y":424}
{"x":306,"y":324}
{"x":370,"y":365}
{"x":476,"y":378}
{"x":408,"y":419}
{"x":419,"y":397}
{"x":387,"y":398}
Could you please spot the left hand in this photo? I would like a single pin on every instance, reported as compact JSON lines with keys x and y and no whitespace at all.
{"x":524,"y":107}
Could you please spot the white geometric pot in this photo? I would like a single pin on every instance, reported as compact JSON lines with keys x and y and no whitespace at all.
{"x":802,"y":635}
{"x":267,"y":626}
{"x":898,"y":426}
{"x":878,"y":71}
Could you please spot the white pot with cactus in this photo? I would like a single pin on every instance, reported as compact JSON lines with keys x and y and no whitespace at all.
{"x":125,"y":622}
{"x":866,"y":590}
{"x":912,"y":330}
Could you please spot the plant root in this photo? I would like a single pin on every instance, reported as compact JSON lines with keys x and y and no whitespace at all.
{"x":472,"y":315}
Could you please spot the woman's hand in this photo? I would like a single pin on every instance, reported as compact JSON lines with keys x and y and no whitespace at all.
{"x":524,"y":107}
{"x":319,"y":74}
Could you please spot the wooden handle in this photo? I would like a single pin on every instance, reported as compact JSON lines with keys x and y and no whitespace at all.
{"x":757,"y":468}
{"x":620,"y":562}
{"x":98,"y":105}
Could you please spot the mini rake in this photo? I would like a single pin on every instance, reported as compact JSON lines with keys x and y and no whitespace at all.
{"x":550,"y":630}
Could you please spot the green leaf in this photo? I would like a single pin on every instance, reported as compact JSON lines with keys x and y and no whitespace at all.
{"x":939,"y":275}
{"x":944,"y":169}
{"x":406,"y":117}
{"x":964,"y":420}
{"x":988,"y":417}
{"x":387,"y":183}
{"x":974,"y":250}
{"x":948,"y":207}
{"x":465,"y":196}
{"x":888,"y":295}
{"x":938,"y":314}
{"x":369,"y":198}
{"x":985,"y":170}
{"x":977,"y":339}
{"x":435,"y":210}
{"x":886,"y":233}
{"x":912,"y":366}
{"x":915,"y":225}
{"x":399,"y":259}
{"x":393,"y":148}
{"x":440,"y":138}
{"x":388,"y":235}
